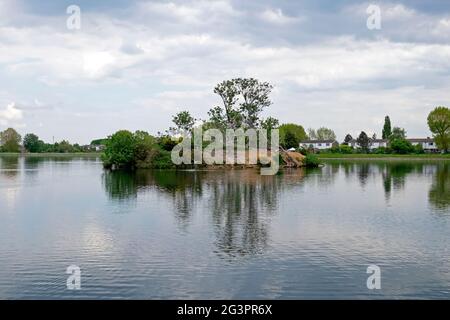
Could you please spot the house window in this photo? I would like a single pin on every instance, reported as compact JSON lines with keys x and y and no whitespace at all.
{"x":319,"y":144}
{"x":430,"y":144}
{"x":328,"y":144}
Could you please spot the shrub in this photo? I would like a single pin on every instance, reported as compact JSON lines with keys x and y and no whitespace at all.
{"x":312,"y":161}
{"x":120,"y":150}
{"x":380,"y":150}
{"x":345,"y":149}
{"x":418,"y":149}
{"x":167,"y":143}
{"x":162,"y":160}
{"x":401,"y":146}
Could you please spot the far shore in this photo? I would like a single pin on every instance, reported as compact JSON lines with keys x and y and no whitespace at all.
{"x":52,"y":154}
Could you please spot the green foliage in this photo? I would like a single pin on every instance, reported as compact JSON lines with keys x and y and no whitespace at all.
{"x":184,"y":121}
{"x":347,"y":139}
{"x":167,"y":142}
{"x":401,"y":146}
{"x":10,"y":140}
{"x":139,"y":150}
{"x":311,"y":160}
{"x":345,"y":149}
{"x":397,"y":134}
{"x":387,"y":128}
{"x":32,"y":143}
{"x":243,"y":101}
{"x":418,"y":149}
{"x":99,"y":142}
{"x":439,"y":124}
{"x":363,"y":141}
{"x":321,"y":134}
{"x":380,"y":150}
{"x":269,"y":123}
{"x":120,"y":150}
{"x":291,"y":135}
{"x":162,"y":160}
{"x":144,"y":143}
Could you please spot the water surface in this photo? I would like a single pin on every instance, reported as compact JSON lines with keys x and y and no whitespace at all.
{"x":224,"y":234}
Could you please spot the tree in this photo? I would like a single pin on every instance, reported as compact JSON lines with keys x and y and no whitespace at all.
{"x":269,"y":123}
{"x":363,"y":141}
{"x":144,"y":143}
{"x":291,"y":135}
{"x":32,"y":143}
{"x":184,"y":121}
{"x":290,"y":140}
{"x":99,"y":142}
{"x":347,"y":139}
{"x":243,"y":101}
{"x":312,"y":134}
{"x":120,"y":150}
{"x":397,"y":134}
{"x":401,"y":146}
{"x":325,"y":134}
{"x":439,"y":124}
{"x":387,"y":128}
{"x":10,"y":140}
{"x":63,"y":147}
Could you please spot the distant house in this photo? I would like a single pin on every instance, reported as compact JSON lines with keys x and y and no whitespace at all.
{"x":100,"y":147}
{"x":317,"y":144}
{"x":427,"y":144}
{"x":373,"y":144}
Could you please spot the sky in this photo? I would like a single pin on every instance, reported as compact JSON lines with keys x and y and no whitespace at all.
{"x":134,"y":64}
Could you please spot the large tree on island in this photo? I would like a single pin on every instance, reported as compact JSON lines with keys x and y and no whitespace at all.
{"x":439,"y":123}
{"x":184,"y":121}
{"x":10,"y":140}
{"x":243,"y":101}
{"x":387,"y":131}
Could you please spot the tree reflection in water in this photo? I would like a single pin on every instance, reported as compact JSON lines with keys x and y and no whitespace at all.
{"x":241,"y":201}
{"x":9,"y":166}
{"x":439,"y":194}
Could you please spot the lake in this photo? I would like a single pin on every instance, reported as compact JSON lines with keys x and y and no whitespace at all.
{"x":303,"y":234}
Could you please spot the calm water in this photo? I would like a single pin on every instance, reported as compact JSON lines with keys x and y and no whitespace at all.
{"x":216,"y":234}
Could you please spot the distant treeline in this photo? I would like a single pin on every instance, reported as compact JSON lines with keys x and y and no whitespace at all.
{"x":11,"y":141}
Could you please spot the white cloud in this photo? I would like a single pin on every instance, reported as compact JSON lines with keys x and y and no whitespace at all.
{"x":96,"y":64}
{"x":397,"y":11}
{"x":167,"y":56}
{"x":192,"y":12}
{"x":10,"y":114}
{"x":277,"y":16}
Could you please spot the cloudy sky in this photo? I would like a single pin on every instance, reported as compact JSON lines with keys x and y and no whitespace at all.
{"x":133,"y":64}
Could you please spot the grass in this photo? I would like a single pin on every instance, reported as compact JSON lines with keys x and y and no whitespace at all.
{"x":384,"y":156}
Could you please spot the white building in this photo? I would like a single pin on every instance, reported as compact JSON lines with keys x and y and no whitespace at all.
{"x":373,"y":144}
{"x":317,"y":144}
{"x":427,"y":144}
